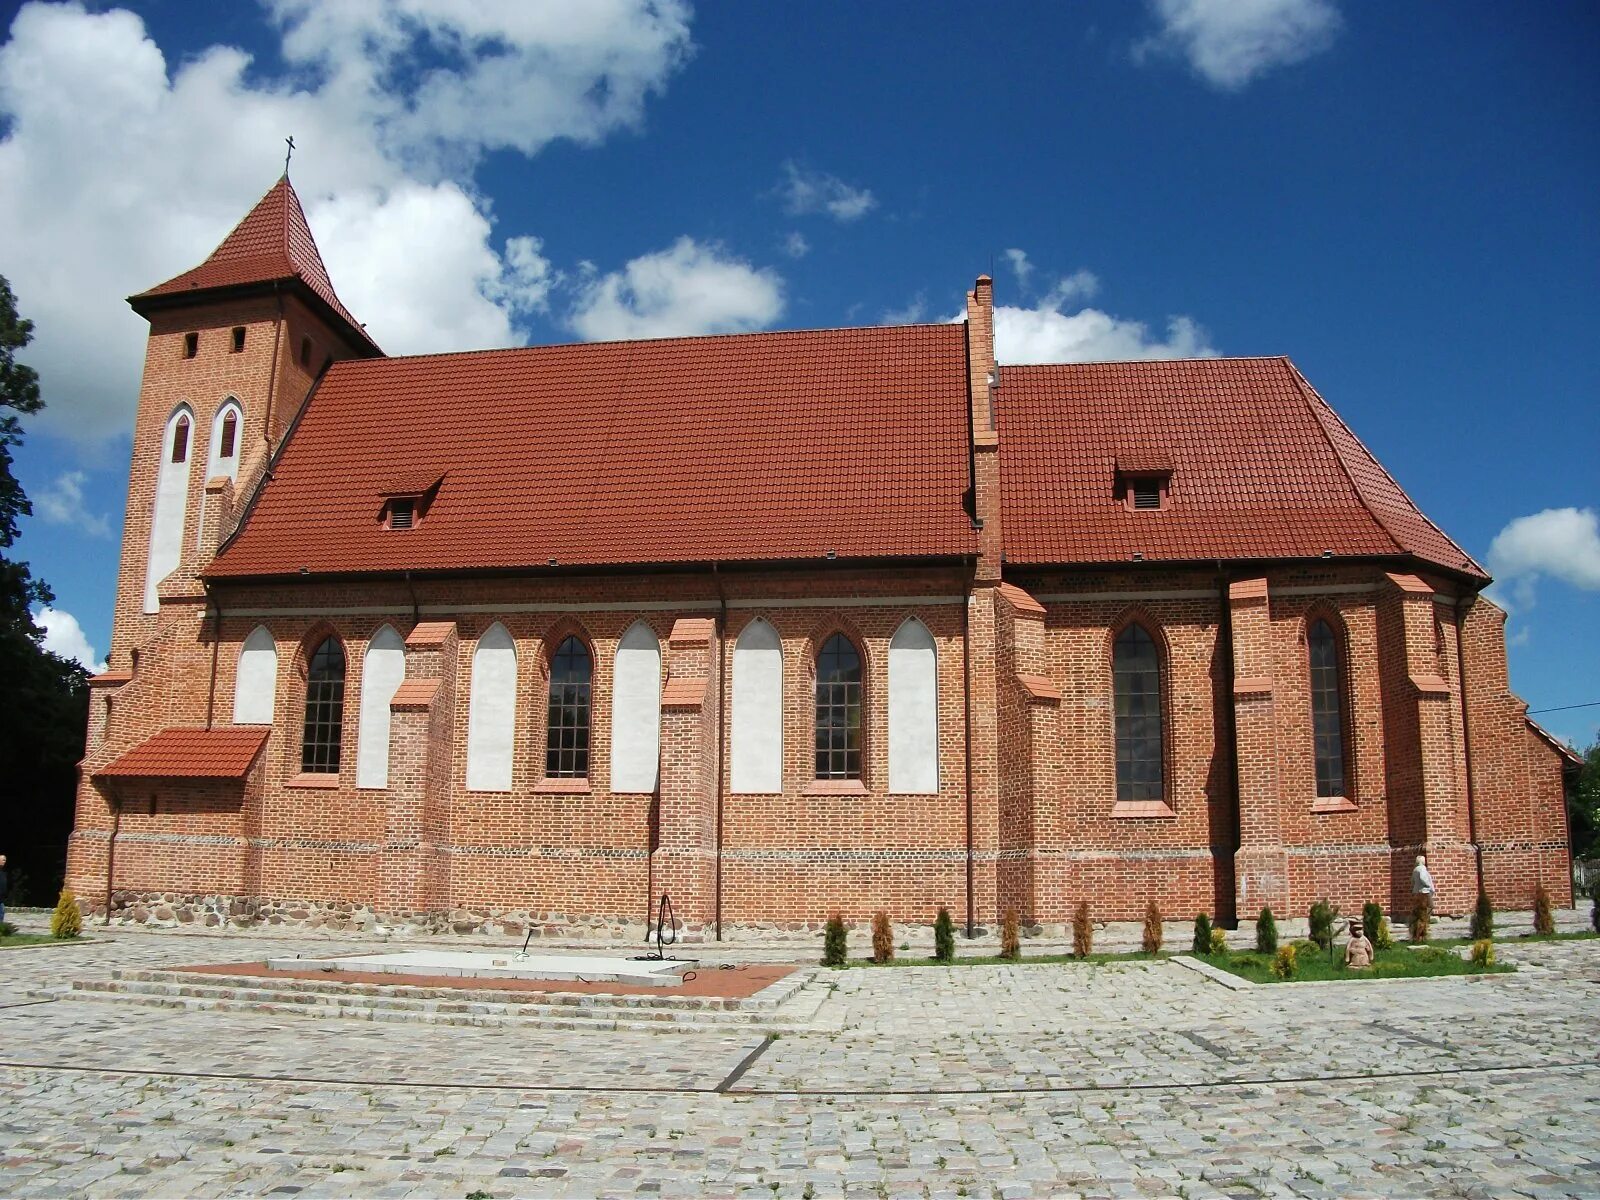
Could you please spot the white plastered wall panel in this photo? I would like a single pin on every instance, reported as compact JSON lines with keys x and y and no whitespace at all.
{"x":255,"y":686}
{"x":383,"y":669}
{"x":492,"y":712}
{"x":172,"y":504}
{"x":636,"y":712}
{"x":913,"y":710}
{"x":757,"y":731}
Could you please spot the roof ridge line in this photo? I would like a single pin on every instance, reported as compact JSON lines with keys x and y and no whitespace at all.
{"x":1321,"y":410}
{"x":676,"y":337}
{"x":1122,"y":362}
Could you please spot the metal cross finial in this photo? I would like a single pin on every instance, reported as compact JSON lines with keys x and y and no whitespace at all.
{"x":289,"y":153}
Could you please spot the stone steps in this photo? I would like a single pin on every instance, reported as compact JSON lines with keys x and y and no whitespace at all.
{"x":778,"y":1008}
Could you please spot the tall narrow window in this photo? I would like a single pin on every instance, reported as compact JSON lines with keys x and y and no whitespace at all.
{"x":838,"y":710}
{"x":180,"y":441}
{"x":238,"y":338}
{"x":1327,"y":709}
{"x":225,"y":442}
{"x":191,"y":344}
{"x":567,"y":742}
{"x":1136,"y":684}
{"x":324,"y":724}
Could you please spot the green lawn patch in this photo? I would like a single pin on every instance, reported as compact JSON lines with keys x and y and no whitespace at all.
{"x":1582,"y":935}
{"x":1401,"y":962}
{"x":25,"y":939}
{"x":994,"y":960}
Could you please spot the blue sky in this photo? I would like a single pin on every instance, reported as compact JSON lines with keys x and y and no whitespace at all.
{"x":1400,"y":197}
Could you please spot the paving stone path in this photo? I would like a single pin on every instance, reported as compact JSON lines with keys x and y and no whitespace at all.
{"x":1136,"y":1080}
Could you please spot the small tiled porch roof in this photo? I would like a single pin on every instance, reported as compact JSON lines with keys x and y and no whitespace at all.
{"x":191,"y":754}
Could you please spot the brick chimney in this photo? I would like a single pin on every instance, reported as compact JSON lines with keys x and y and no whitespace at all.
{"x":982,"y":383}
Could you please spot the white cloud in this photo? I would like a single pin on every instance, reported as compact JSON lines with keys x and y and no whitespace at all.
{"x":1563,"y":543}
{"x":1048,"y":331}
{"x":165,"y":159}
{"x":910,"y":314}
{"x":806,"y":191}
{"x":1017,"y":260}
{"x":62,"y":502}
{"x":64,"y":636}
{"x":689,"y":288}
{"x":795,"y":245}
{"x":1228,"y":43}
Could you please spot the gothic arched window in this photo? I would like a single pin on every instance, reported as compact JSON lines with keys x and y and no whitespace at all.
{"x":567,"y":742}
{"x":838,"y":710}
{"x":1136,"y":687}
{"x":1327,"y":708}
{"x":324,"y":725}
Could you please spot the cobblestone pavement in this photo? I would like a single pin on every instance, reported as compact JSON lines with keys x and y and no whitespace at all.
{"x":1115,"y":1080}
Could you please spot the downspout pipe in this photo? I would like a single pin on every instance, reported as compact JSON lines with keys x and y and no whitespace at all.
{"x":111,"y":846}
{"x":966,"y":716}
{"x":1466,"y":740}
{"x":722,"y":719}
{"x":1225,"y":629}
{"x":215,"y":613}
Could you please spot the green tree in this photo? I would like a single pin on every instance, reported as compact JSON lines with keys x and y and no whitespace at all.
{"x":45,"y":697}
{"x":1583,"y":805}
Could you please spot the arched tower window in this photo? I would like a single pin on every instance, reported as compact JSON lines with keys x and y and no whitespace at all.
{"x":225,"y":442}
{"x":757,"y":732}
{"x":1327,"y":708}
{"x":913,"y":710}
{"x":636,"y":711}
{"x":838,"y":709}
{"x":492,"y":712}
{"x":1136,"y":687}
{"x":567,"y":726}
{"x":171,"y":508}
{"x":319,"y":748}
{"x":383,"y":670}
{"x":255,"y":686}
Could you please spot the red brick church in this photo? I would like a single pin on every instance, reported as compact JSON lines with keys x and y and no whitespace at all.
{"x":777,"y":624}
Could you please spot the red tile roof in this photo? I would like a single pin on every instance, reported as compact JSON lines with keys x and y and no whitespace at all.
{"x":760,"y":446}
{"x":1261,"y":468}
{"x":273,"y":242}
{"x":191,"y":753}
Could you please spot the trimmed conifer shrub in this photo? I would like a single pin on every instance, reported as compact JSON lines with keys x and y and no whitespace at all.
{"x":1483,"y":953}
{"x":1266,"y":932}
{"x":1321,"y":921}
{"x":944,"y":937}
{"x":1383,"y":937}
{"x":882,"y":937}
{"x":66,"y":921}
{"x":1483,"y":918}
{"x":1544,"y":917}
{"x":1152,"y":928}
{"x":1202,"y":935}
{"x":1082,"y":931}
{"x":1010,"y":934}
{"x":1371,"y":914}
{"x":834,"y":942}
{"x":1284,"y":965}
{"x":1219,"y":941}
{"x":1422,"y":919}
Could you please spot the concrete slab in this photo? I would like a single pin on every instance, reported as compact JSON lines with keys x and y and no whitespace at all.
{"x":468,"y":964}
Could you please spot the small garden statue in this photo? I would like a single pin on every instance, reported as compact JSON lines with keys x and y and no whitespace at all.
{"x":1358,"y":951}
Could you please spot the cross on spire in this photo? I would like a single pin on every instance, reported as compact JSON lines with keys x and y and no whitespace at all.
{"x":288,"y":154}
